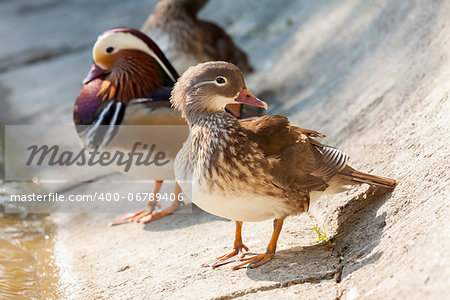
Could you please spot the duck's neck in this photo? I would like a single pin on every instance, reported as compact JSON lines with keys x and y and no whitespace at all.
{"x":211,"y":141}
{"x":135,"y":75}
{"x":211,"y":119}
{"x":219,"y":151}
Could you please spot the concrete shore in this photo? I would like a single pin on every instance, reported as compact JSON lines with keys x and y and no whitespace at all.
{"x":374,"y":76}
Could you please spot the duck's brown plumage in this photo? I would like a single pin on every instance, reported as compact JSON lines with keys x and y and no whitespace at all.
{"x":268,"y":156}
{"x":176,"y":28}
{"x":303,"y":162}
{"x":251,"y":170}
{"x":130,"y":78}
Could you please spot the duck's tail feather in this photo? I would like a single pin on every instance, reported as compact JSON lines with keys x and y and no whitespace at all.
{"x":351,"y":174}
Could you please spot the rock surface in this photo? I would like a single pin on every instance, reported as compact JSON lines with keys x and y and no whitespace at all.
{"x":372,"y":75}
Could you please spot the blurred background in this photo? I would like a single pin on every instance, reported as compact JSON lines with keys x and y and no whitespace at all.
{"x":372,"y":75}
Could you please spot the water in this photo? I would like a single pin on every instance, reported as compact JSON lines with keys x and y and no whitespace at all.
{"x":27,"y":264}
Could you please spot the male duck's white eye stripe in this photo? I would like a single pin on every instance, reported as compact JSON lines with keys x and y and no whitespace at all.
{"x":143,"y":46}
{"x":126,"y":40}
{"x":162,"y":65}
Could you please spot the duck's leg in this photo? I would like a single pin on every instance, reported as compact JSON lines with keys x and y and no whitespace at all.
{"x":257,"y":260}
{"x":238,"y":246}
{"x":155,"y":215}
{"x":143,"y":213}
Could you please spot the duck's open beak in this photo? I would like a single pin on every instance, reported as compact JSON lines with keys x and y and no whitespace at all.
{"x":94,"y":73}
{"x":246,"y":97}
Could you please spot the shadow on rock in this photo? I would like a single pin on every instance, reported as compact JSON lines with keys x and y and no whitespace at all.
{"x":359,"y":231}
{"x":188,"y":215}
{"x":297,"y":265}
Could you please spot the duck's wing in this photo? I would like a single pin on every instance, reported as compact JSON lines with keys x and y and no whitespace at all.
{"x":104,"y":124}
{"x":299,"y":161}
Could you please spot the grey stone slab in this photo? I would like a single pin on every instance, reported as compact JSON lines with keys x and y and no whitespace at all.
{"x":163,"y":259}
{"x":372,"y":75}
{"x":39,"y":30}
{"x":44,"y":92}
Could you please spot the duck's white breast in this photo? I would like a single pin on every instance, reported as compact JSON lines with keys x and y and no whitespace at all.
{"x":244,"y":206}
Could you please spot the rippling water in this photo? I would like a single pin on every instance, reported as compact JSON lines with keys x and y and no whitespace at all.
{"x":27,"y":266}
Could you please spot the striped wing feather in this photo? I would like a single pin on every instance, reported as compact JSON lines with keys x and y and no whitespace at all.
{"x":301,"y":161}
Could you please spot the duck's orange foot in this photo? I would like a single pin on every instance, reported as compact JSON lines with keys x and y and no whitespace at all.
{"x":137,"y":217}
{"x":226,"y":259}
{"x":156,"y":215}
{"x":148,"y":215}
{"x":255,"y":261}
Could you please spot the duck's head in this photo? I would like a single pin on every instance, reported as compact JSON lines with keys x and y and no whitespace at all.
{"x":130,"y":64}
{"x":209,"y":87}
{"x":177,"y":7}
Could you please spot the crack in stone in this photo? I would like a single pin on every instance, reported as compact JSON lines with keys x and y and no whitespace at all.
{"x":307,"y":279}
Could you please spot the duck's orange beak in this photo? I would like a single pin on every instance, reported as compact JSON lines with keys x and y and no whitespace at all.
{"x":94,"y":73}
{"x":246,"y":97}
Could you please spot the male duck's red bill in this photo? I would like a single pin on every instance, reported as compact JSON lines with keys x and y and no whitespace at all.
{"x":94,"y":73}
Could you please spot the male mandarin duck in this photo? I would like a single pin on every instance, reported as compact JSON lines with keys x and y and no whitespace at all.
{"x":129,"y":84}
{"x":128,"y":65}
{"x":186,"y":40}
{"x":251,"y":170}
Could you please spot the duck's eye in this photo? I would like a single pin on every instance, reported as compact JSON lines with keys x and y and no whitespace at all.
{"x":220,"y":80}
{"x":109,"y":50}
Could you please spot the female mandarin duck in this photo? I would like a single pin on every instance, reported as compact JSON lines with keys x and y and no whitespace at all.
{"x":128,"y":66}
{"x":251,"y":170}
{"x":187,"y":40}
